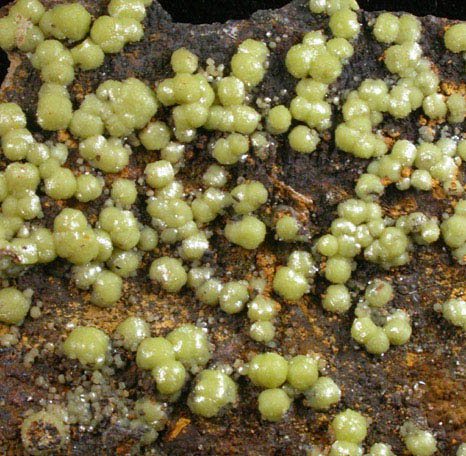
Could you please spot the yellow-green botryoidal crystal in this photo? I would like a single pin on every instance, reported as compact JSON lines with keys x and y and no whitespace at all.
{"x":290,"y":284}
{"x":14,"y":306}
{"x":273,"y":404}
{"x":303,"y":372}
{"x":106,"y":289}
{"x":11,"y":117}
{"x":349,"y":426}
{"x":344,"y":24}
{"x":169,"y":377}
{"x":323,"y":394}
{"x":268,"y":370}
{"x":455,"y":38}
{"x":87,"y":55}
{"x":233,"y":296}
{"x":68,"y":21}
{"x":213,"y":391}
{"x":190,"y":344}
{"x":169,"y":273}
{"x":153,"y":352}
{"x":419,"y":442}
{"x":132,"y":331}
{"x":88,"y":345}
{"x":249,"y":232}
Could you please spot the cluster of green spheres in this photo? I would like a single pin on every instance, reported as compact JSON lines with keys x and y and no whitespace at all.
{"x":14,"y":306}
{"x":380,"y":449}
{"x":270,"y":370}
{"x":292,"y":281}
{"x":132,"y":331}
{"x":158,"y":355}
{"x":287,"y":229}
{"x":209,"y":204}
{"x":248,"y":197}
{"x":229,"y":150}
{"x":423,"y":230}
{"x":396,"y":329}
{"x":238,"y":118}
{"x":117,"y":108}
{"x":455,"y":38}
{"x":317,"y":63}
{"x":28,"y":24}
{"x":419,"y":83}
{"x":123,"y":25}
{"x":152,"y":416}
{"x":190,"y":345}
{"x":232,"y":297}
{"x":108,"y":155}
{"x":389,"y":28}
{"x":248,"y":232}
{"x":172,"y":215}
{"x":330,"y":7}
{"x":349,"y":429}
{"x":377,"y":340}
{"x":358,"y":228}
{"x":431,"y":162}
{"x":54,"y":108}
{"x":168,"y":358}
{"x":67,"y":21}
{"x":285,"y":379}
{"x":105,"y":254}
{"x":198,"y":105}
{"x":261,"y":311}
{"x":14,"y":33}
{"x":19,"y":183}
{"x":213,"y":391}
{"x":302,"y":63}
{"x":343,"y":21}
{"x":111,"y":242}
{"x":54,"y":61}
{"x":454,"y":311}
{"x":418,"y":442}
{"x":88,"y":345}
{"x":190,"y":91}
{"x":74,"y":238}
{"x":248,"y":64}
{"x":121,"y":225}
{"x":454,"y":231}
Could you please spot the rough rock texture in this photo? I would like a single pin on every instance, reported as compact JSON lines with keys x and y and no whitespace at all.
{"x":423,"y":380}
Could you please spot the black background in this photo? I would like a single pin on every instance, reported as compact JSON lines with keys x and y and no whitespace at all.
{"x":199,"y":11}
{"x":207,"y":11}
